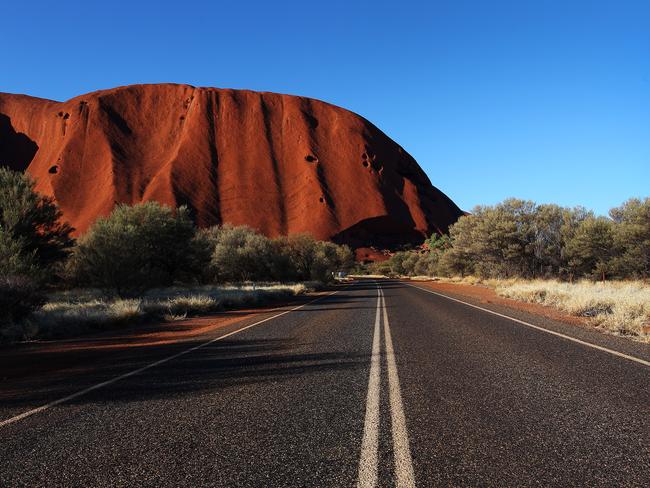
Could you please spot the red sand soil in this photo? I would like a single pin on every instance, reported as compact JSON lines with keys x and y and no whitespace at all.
{"x":487,"y":295}
{"x":281,"y":164}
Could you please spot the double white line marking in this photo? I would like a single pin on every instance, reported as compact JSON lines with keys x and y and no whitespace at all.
{"x":368,"y":464}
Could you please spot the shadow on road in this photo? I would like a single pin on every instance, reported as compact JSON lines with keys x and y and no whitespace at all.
{"x":216,"y":366}
{"x":81,"y":363}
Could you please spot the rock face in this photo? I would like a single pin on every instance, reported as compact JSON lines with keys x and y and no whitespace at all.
{"x":278,"y":163}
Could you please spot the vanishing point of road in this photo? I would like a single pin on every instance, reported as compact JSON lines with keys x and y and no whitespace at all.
{"x":378,"y":383}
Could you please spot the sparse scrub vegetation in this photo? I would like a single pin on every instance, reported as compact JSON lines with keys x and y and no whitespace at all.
{"x":562,"y":250}
{"x":32,"y":244}
{"x":141,"y":263}
{"x":240,"y":254}
{"x":32,"y":236}
{"x":19,"y":296}
{"x":136,"y":248}
{"x":620,"y":307}
{"x":149,"y":262}
{"x":71,"y":312}
{"x":520,"y":239}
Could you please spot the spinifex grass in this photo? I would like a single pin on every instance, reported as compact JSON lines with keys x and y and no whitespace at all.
{"x":74,"y":312}
{"x":621,"y":307}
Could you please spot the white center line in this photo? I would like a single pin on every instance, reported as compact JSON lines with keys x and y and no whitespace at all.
{"x":370,"y":443}
{"x":54,"y":403}
{"x":368,"y":463}
{"x":542,"y":329}
{"x":401,"y":450}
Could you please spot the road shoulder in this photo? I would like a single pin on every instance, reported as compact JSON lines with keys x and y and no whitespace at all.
{"x":62,"y":357}
{"x":539,"y":315}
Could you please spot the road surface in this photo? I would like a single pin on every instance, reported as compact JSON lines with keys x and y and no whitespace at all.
{"x":380,"y":383}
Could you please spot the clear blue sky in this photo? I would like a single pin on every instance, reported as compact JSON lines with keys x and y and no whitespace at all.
{"x":544,"y":100}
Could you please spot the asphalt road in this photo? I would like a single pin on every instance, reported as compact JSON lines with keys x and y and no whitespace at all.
{"x":378,"y":384}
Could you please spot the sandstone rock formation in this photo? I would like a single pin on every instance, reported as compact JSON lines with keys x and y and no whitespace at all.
{"x":281,"y":164}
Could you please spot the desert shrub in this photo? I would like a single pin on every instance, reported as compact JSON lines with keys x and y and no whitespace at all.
{"x":240,"y":254}
{"x":497,"y":238}
{"x":72,"y":312}
{"x":438,"y":242}
{"x":32,"y":242}
{"x":328,"y":258}
{"x":518,"y":238}
{"x":136,"y":248}
{"x":300,"y":257}
{"x":396,"y":263}
{"x":304,"y":258}
{"x":19,"y":296}
{"x":590,"y":250}
{"x":297,"y":254}
{"x":15,"y":260}
{"x":31,"y":223}
{"x":202,"y":245}
{"x":382,"y":268}
{"x":632,"y":238}
{"x":410,"y":262}
{"x":427,"y":264}
{"x":345,"y":257}
{"x":422,"y":262}
{"x":325,"y":261}
{"x":455,"y":262}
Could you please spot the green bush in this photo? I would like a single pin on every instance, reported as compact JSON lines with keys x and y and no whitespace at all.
{"x":590,"y":250}
{"x":136,"y":248}
{"x":518,"y":238}
{"x":241,"y":254}
{"x":32,"y":242}
{"x":632,"y":238}
{"x":303,"y":258}
{"x":19,"y":296}
{"x":14,"y":259}
{"x":32,"y":223}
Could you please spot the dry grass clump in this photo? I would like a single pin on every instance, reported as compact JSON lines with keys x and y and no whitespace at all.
{"x":367,"y":276}
{"x":193,"y":304}
{"x":204,"y":299}
{"x":421,"y":278}
{"x":73,"y":316}
{"x":476,"y":280}
{"x":73,"y":312}
{"x":619,"y":307}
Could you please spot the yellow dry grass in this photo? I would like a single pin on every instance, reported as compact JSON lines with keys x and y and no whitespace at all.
{"x":619,"y":307}
{"x":75,"y":311}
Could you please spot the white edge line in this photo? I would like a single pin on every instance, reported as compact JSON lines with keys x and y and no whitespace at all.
{"x":54,"y":403}
{"x":401,"y":451}
{"x":368,"y":462}
{"x":537,"y":327}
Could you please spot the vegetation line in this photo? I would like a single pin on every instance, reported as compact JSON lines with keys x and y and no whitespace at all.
{"x":141,"y":263}
{"x":548,"y":254}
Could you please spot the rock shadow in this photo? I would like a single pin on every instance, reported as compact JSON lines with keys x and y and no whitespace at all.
{"x":16,"y":149}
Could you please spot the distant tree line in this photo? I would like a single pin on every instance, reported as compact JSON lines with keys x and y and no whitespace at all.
{"x":518,"y":238}
{"x":149,"y":245}
{"x":136,"y":248}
